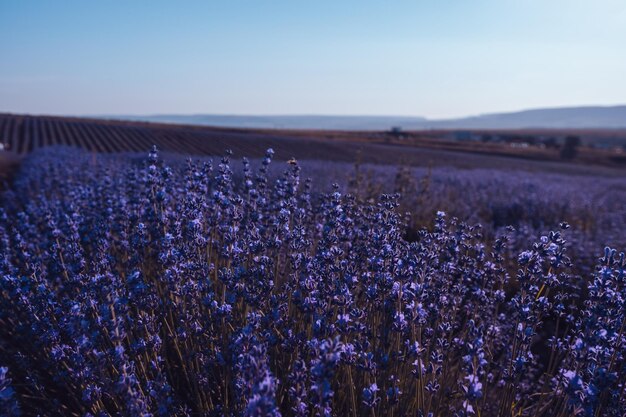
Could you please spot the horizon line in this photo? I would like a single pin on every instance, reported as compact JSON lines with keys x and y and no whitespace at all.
{"x":347,"y":115}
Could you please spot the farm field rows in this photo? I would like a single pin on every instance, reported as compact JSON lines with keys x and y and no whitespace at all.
{"x":23,"y":134}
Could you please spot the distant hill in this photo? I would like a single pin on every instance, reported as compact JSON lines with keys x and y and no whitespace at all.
{"x":589,"y":117}
{"x":556,"y":118}
{"x":286,"y":122}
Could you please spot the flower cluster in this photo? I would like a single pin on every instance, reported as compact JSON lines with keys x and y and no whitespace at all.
{"x":143,"y":288}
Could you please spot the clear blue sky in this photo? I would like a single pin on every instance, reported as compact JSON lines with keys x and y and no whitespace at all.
{"x":436,"y":58}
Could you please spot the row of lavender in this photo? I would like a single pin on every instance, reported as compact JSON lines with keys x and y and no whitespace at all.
{"x":135,"y":288}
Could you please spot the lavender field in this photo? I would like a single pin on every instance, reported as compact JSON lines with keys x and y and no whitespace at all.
{"x":151,"y":285}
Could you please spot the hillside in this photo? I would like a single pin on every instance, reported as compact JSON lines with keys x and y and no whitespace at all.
{"x":611,"y":117}
{"x":588,"y":117}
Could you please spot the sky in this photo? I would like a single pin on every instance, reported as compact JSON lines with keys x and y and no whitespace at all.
{"x":433,"y":58}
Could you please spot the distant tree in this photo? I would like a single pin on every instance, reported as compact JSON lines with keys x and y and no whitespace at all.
{"x":551,"y":143}
{"x":570,"y":147}
{"x":397,"y":132}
